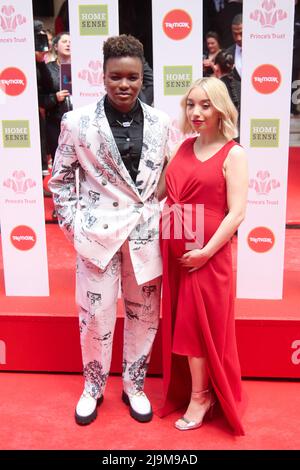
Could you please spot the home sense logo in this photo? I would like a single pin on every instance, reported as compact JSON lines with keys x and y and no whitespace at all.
{"x":177,"y":79}
{"x":266,"y":79}
{"x":177,"y":24}
{"x":93,"y":20}
{"x":264,"y":133}
{"x":261,"y":239}
{"x":15,"y":134}
{"x":23,"y":237}
{"x":12,"y":81}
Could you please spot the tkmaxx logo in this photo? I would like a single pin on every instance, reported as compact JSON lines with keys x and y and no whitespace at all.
{"x":269,"y":16}
{"x":177,"y":24}
{"x":261,"y":239}
{"x":12,"y":81}
{"x":266,"y":79}
{"x":9,"y":21}
{"x":23,"y":237}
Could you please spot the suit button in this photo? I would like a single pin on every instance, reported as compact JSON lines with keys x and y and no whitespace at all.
{"x":105,"y":226}
{"x":104,"y":182}
{"x":115,"y":204}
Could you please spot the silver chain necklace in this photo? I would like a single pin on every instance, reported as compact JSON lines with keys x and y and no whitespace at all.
{"x":125,"y":123}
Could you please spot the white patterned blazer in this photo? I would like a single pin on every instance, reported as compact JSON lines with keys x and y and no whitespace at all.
{"x":97,"y":203}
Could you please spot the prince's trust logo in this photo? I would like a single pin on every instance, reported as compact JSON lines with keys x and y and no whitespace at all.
{"x":264,"y":133}
{"x":93,"y":20}
{"x":177,"y":79}
{"x":269,"y":15}
{"x":10,"y":20}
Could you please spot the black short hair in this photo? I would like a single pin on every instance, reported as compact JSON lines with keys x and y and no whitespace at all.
{"x":124,"y":45}
{"x":238,"y":19}
{"x":225,"y":61}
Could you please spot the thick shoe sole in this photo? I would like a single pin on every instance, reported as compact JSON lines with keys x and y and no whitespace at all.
{"x":83,"y":420}
{"x":137,"y":416}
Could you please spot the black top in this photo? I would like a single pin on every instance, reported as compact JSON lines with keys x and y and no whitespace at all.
{"x":54,"y":109}
{"x":128,"y":137}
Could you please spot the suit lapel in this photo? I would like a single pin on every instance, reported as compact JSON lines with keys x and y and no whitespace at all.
{"x":148,"y":166}
{"x":112,"y":151}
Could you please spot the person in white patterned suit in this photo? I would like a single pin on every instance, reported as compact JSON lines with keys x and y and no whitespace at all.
{"x":107,"y":166}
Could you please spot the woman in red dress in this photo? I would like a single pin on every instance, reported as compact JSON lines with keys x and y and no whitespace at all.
{"x":206,"y":185}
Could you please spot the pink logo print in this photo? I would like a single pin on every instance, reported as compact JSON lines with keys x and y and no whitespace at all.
{"x":9,"y":21}
{"x":94,"y":75}
{"x":263,"y":184}
{"x":269,"y":16}
{"x":176,"y":135}
{"x":19,"y":183}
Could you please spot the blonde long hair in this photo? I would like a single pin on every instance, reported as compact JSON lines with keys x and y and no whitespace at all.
{"x":219,"y":97}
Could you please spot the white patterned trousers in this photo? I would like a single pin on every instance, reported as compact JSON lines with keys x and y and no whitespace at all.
{"x":97,"y":296}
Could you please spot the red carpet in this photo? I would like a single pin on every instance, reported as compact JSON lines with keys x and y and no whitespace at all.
{"x":37,"y":409}
{"x":37,"y":413}
{"x":41,"y":334}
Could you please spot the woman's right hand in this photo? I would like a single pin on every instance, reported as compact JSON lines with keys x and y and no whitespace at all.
{"x":61,"y":95}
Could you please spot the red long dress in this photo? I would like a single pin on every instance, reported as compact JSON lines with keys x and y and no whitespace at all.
{"x":198,"y":315}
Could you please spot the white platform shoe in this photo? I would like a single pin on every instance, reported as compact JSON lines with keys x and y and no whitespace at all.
{"x":139,"y":406}
{"x":86,"y":409}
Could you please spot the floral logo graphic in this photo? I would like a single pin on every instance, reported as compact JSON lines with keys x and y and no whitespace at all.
{"x":19,"y":183}
{"x":269,"y":16}
{"x":263,"y":184}
{"x":9,"y":21}
{"x":94,"y":75}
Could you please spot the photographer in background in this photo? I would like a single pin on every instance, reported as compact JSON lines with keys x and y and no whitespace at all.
{"x":43,"y":82}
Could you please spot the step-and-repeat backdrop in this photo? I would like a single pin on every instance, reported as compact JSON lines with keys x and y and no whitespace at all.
{"x":91,"y":22}
{"x":177,"y":61}
{"x":22,"y":216}
{"x":265,"y":118}
{"x":177,"y":52}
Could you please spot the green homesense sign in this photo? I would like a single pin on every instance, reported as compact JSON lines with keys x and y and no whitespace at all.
{"x":93,"y":20}
{"x":15,"y":134}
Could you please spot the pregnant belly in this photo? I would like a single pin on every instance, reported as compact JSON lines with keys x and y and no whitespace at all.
{"x":184,"y":231}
